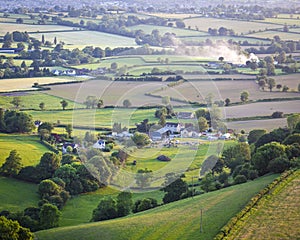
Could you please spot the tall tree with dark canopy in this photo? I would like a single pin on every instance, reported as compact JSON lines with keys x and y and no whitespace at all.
{"x":12,"y":164}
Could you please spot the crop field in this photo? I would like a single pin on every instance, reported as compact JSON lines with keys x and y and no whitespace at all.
{"x":278,"y":218}
{"x":262,"y":109}
{"x":271,"y":34}
{"x":247,"y":126}
{"x":162,"y":30}
{"x":17,"y":195}
{"x":178,"y":220}
{"x":196,"y":90}
{"x":31,"y":100}
{"x":15,"y":84}
{"x":239,"y":27}
{"x":23,"y":144}
{"x":80,"y":39}
{"x":112,"y":93}
{"x":10,"y":27}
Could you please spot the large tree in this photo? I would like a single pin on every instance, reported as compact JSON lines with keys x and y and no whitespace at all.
{"x":11,"y":230}
{"x":48,"y":164}
{"x":265,"y":154}
{"x":106,"y":209}
{"x":124,"y":203}
{"x":175,"y":190}
{"x":244,"y":96}
{"x":49,"y":216}
{"x":140,"y":139}
{"x":12,"y":164}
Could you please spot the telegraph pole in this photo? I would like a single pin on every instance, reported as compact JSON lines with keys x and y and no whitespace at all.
{"x":201,"y":228}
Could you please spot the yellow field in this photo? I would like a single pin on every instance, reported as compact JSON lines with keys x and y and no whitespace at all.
{"x":15,"y":84}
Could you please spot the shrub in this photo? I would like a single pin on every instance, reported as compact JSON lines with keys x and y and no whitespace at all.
{"x":240,"y":179}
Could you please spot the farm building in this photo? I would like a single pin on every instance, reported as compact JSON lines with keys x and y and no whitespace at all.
{"x":185,"y":115}
{"x":100,"y":144}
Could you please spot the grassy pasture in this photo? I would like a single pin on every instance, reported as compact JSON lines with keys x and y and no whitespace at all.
{"x":239,"y":27}
{"x":277,"y":218}
{"x":31,"y":100}
{"x":80,"y":39}
{"x":178,"y":220}
{"x":271,"y":34}
{"x":79,"y":209}
{"x":10,"y":27}
{"x":15,"y":84}
{"x":162,"y":30}
{"x":97,"y":118}
{"x":17,"y":195}
{"x":24,"y":144}
{"x":121,"y":61}
{"x":170,"y":67}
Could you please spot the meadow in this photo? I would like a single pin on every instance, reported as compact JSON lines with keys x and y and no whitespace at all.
{"x":23,"y":144}
{"x":240,"y":27}
{"x":80,"y":39}
{"x":32,"y":100}
{"x":17,"y":195}
{"x":178,"y":220}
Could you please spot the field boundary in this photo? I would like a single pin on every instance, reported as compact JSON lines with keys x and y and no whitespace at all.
{"x":256,"y":202}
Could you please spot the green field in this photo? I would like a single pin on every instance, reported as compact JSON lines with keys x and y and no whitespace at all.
{"x":102,"y":117}
{"x":240,"y":27}
{"x":80,"y":39}
{"x":275,"y":218}
{"x":178,"y":220}
{"x":78,"y":209}
{"x":31,"y":100}
{"x":23,"y":144}
{"x":17,"y":195}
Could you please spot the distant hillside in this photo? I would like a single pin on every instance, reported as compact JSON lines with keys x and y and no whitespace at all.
{"x":178,"y":220}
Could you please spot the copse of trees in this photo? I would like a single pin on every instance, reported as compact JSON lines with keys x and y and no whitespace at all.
{"x":15,"y":122}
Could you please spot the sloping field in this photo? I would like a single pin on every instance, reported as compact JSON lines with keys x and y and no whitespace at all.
{"x":80,"y":39}
{"x":23,"y":145}
{"x":10,"y":27}
{"x":278,"y":218}
{"x":17,"y":195}
{"x":239,"y":27}
{"x":178,"y":220}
